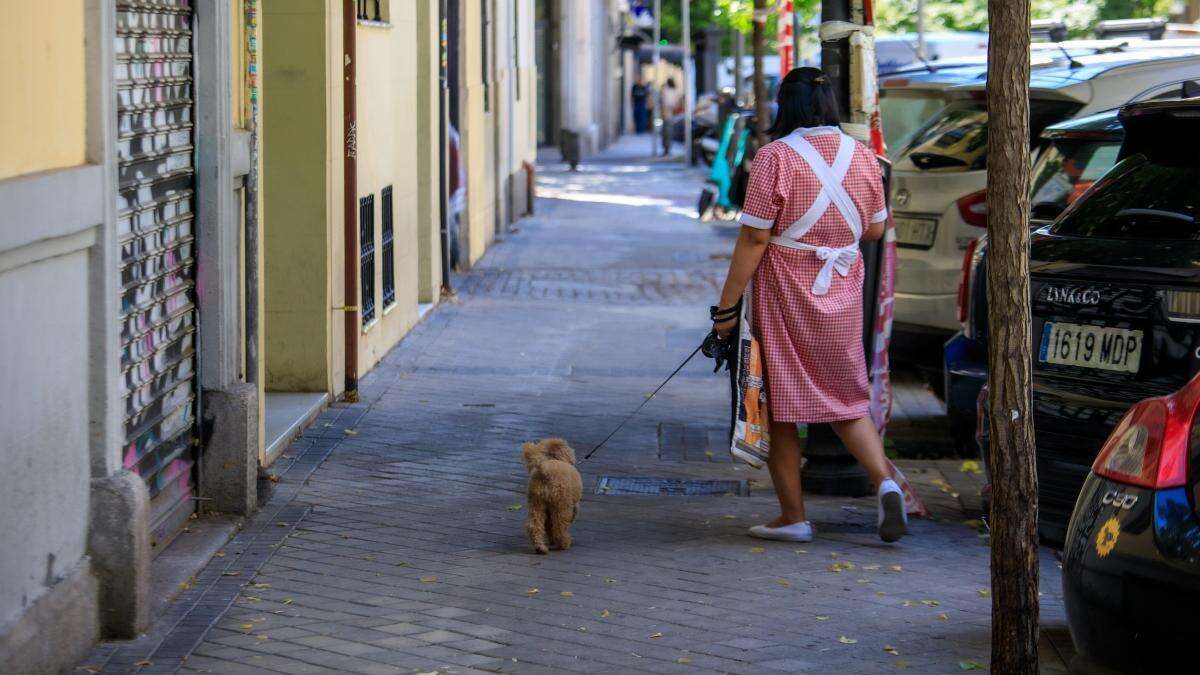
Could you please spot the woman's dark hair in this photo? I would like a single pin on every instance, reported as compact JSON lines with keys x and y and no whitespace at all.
{"x":805,"y":100}
{"x":671,"y":82}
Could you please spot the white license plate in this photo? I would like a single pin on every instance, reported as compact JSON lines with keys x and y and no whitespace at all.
{"x":915,"y":231}
{"x":1097,"y":347}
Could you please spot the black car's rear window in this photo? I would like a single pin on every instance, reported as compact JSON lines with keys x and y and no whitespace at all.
{"x":956,"y":138}
{"x":1138,"y":199}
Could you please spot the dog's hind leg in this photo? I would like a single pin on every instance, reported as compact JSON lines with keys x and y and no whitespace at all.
{"x":560,"y":528}
{"x":535,"y":526}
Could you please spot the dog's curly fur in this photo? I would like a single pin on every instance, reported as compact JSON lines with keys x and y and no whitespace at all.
{"x":555,"y":489}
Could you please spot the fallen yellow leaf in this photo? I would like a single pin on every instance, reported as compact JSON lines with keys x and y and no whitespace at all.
{"x":895,"y":568}
{"x":822,"y":618}
{"x":784,"y":582}
{"x":567,"y":594}
{"x":757,"y":549}
{"x":247,"y":626}
{"x":943,"y":617}
{"x":684,"y":659}
{"x":655,"y":636}
{"x":515,"y":507}
{"x":983,"y":592}
{"x":428,"y":580}
{"x":970,"y":466}
{"x":532,"y":591}
{"x":287,"y":601}
{"x":847,"y":641}
{"x":604,"y":614}
{"x":891,"y":650}
{"x":930,"y":603}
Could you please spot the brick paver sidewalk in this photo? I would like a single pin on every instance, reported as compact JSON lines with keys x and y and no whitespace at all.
{"x":394,"y":540}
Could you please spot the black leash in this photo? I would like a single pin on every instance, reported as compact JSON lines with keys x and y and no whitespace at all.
{"x":639,"y":408}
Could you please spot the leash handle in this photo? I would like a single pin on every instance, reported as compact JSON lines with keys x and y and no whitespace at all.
{"x":648,"y":398}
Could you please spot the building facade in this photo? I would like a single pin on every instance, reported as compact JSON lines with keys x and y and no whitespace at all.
{"x":583,"y":74}
{"x":218,"y":215}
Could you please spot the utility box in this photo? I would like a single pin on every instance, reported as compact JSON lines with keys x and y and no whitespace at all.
{"x":570,"y":144}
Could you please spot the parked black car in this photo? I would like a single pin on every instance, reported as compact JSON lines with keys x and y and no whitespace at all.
{"x":1077,"y":152}
{"x":1116,"y":299}
{"x":1131,"y":560}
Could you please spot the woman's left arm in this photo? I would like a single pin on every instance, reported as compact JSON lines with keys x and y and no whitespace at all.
{"x":747,"y":252}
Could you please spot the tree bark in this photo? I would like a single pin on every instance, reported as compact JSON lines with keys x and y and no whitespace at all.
{"x":761,"y":110}
{"x":1014,"y":555}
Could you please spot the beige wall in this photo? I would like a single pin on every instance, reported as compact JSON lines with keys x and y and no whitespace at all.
{"x":387,"y":136}
{"x":478,"y":132}
{"x":429,"y":254}
{"x":297,"y":192}
{"x":43,"y":116}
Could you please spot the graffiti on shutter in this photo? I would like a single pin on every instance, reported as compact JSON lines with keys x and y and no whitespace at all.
{"x":156,"y":229}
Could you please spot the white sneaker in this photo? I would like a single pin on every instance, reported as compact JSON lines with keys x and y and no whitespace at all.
{"x":893,"y":520}
{"x":801,"y":531}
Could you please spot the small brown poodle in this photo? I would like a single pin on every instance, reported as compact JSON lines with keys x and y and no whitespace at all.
{"x":555,"y":489}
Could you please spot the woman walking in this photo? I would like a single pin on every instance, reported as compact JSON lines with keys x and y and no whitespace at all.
{"x":813,"y":194}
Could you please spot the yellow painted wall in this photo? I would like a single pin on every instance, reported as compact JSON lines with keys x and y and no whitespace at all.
{"x":43,"y":97}
{"x":296,"y":193}
{"x":478,"y":134}
{"x":387,"y":93}
{"x":429,"y":264}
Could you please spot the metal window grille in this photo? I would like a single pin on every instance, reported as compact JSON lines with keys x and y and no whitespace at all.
{"x":389,"y":262}
{"x":366,"y":257}
{"x":364,"y":10}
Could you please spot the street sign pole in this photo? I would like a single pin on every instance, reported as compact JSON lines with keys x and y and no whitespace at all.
{"x":688,"y":82}
{"x":656,"y":128}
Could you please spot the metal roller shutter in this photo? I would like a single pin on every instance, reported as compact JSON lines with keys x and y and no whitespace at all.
{"x":157,"y":237}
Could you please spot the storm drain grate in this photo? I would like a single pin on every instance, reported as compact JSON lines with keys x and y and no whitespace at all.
{"x":675,"y":487}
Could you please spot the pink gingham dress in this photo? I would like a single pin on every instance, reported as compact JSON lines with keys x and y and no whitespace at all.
{"x":817,"y":190}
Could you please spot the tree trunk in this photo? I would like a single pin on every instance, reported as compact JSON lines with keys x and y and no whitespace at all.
{"x":1011,"y":460}
{"x":761,"y":109}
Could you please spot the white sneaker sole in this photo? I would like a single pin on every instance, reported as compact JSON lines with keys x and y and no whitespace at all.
{"x":781,"y":534}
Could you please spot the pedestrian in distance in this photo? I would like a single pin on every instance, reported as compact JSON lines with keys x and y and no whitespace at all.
{"x":639,"y":95}
{"x":813,"y":194}
{"x":670,"y":102}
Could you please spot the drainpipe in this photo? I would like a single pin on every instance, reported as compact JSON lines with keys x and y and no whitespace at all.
{"x":443,"y":138}
{"x":251,"y":215}
{"x":350,"y":195}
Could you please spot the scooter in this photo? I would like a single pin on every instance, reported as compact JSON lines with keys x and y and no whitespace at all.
{"x":715,"y":198}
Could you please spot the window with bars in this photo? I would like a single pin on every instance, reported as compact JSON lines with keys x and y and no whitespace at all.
{"x":374,"y":10}
{"x":366,"y":257}
{"x":389,"y":262}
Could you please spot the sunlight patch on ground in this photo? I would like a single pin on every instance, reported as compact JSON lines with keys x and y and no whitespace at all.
{"x":602,"y":198}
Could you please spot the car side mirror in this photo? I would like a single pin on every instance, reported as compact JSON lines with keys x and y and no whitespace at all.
{"x":1190,"y":89}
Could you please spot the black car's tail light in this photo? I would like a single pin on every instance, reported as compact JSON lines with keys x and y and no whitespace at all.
{"x":1150,"y":446}
{"x":1183,"y":305}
